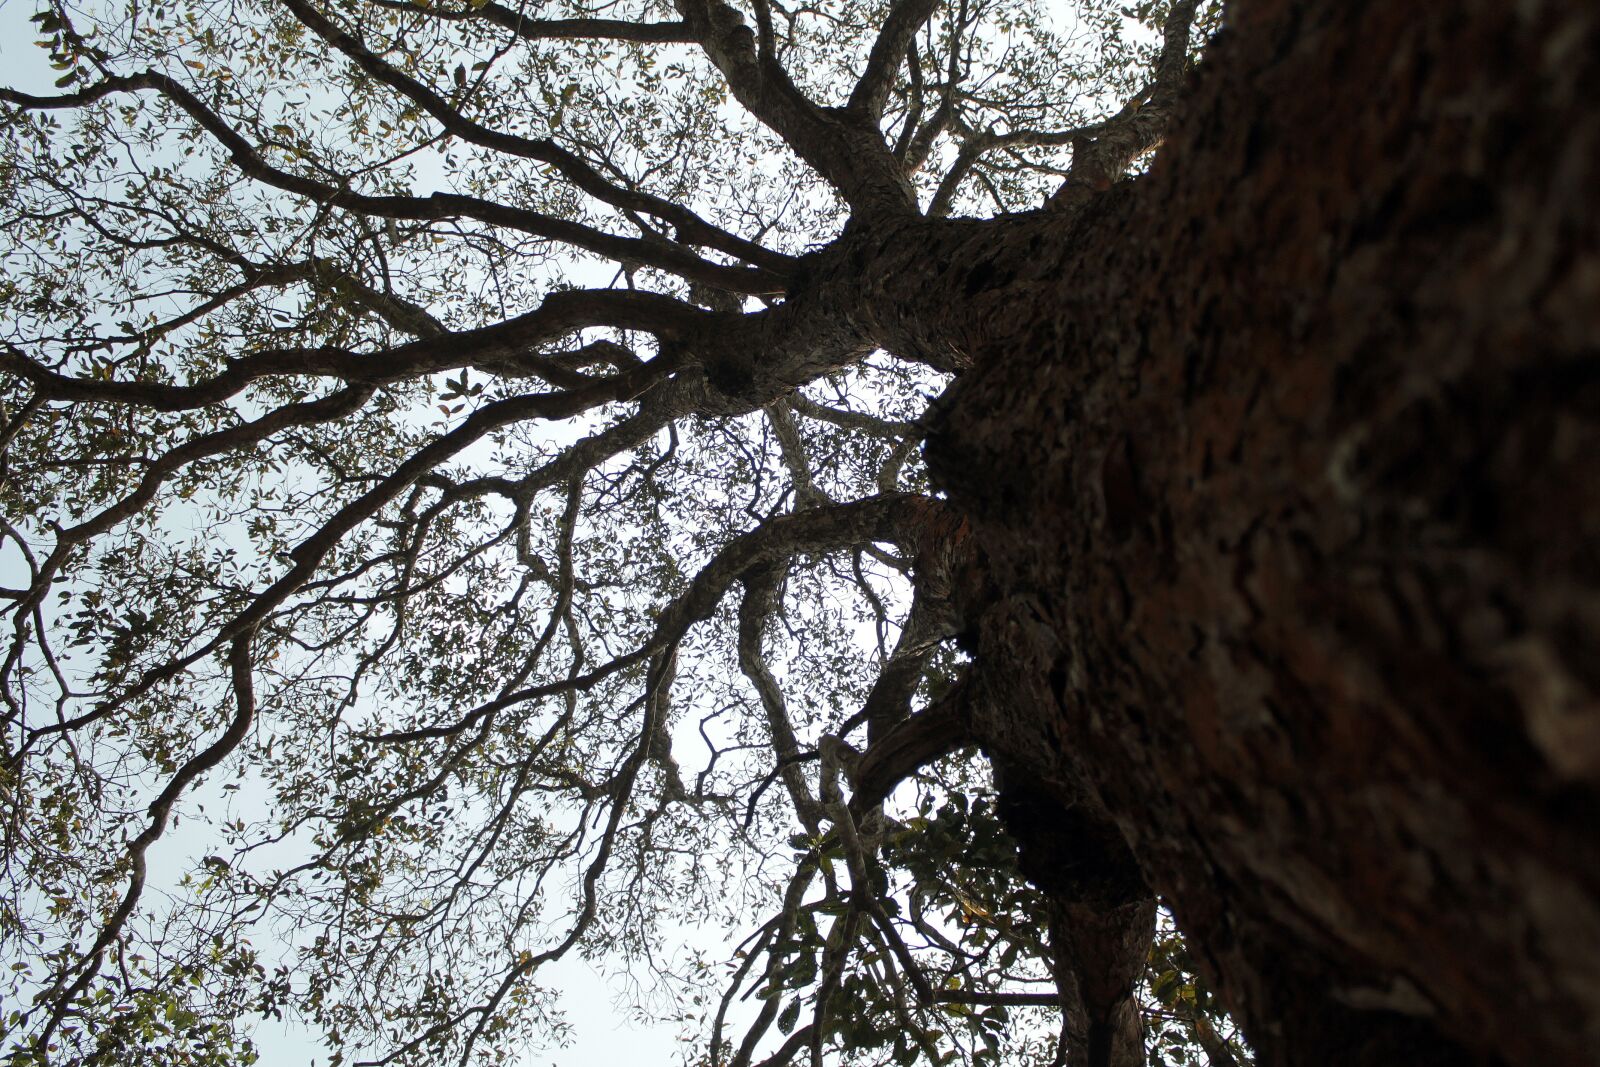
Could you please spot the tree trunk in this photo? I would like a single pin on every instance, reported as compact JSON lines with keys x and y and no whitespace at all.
{"x":1101,"y":919}
{"x":1284,"y":464}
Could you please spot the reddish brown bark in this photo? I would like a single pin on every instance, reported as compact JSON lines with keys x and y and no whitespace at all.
{"x":1284,"y":461}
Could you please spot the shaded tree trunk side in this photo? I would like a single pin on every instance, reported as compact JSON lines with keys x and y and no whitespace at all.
{"x":1101,"y":919}
{"x":1284,"y":464}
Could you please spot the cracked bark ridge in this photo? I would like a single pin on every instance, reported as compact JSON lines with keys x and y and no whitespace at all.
{"x":1284,"y":465}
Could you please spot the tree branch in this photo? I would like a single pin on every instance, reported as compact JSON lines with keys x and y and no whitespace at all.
{"x":910,"y":744}
{"x":848,"y":151}
{"x":851,"y":420}
{"x":760,"y":597}
{"x":575,"y":29}
{"x":1100,"y":160}
{"x":917,"y":142}
{"x":501,"y":345}
{"x":899,"y":29}
{"x":248,"y":159}
{"x":691,"y":227}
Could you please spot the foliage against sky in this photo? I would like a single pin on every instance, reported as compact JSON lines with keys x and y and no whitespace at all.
{"x":377,"y":510}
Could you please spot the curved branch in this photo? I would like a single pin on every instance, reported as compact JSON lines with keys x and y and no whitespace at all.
{"x":910,"y":744}
{"x":577,"y":29}
{"x":65,"y":991}
{"x":760,"y":597}
{"x":691,"y":227}
{"x":1100,"y":160}
{"x":851,"y":420}
{"x":916,"y":142}
{"x":845,"y":147}
{"x":899,"y":28}
{"x":437,"y":206}
{"x":821,"y":529}
{"x":501,"y":345}
{"x":309,"y":554}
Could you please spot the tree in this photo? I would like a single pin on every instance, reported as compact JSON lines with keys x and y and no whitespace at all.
{"x":453,"y":659}
{"x":1261,"y":578}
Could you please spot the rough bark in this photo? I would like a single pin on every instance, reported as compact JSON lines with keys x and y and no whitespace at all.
{"x":1284,"y":463}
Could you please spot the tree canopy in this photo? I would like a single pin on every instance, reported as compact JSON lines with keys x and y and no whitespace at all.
{"x":461,"y":505}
